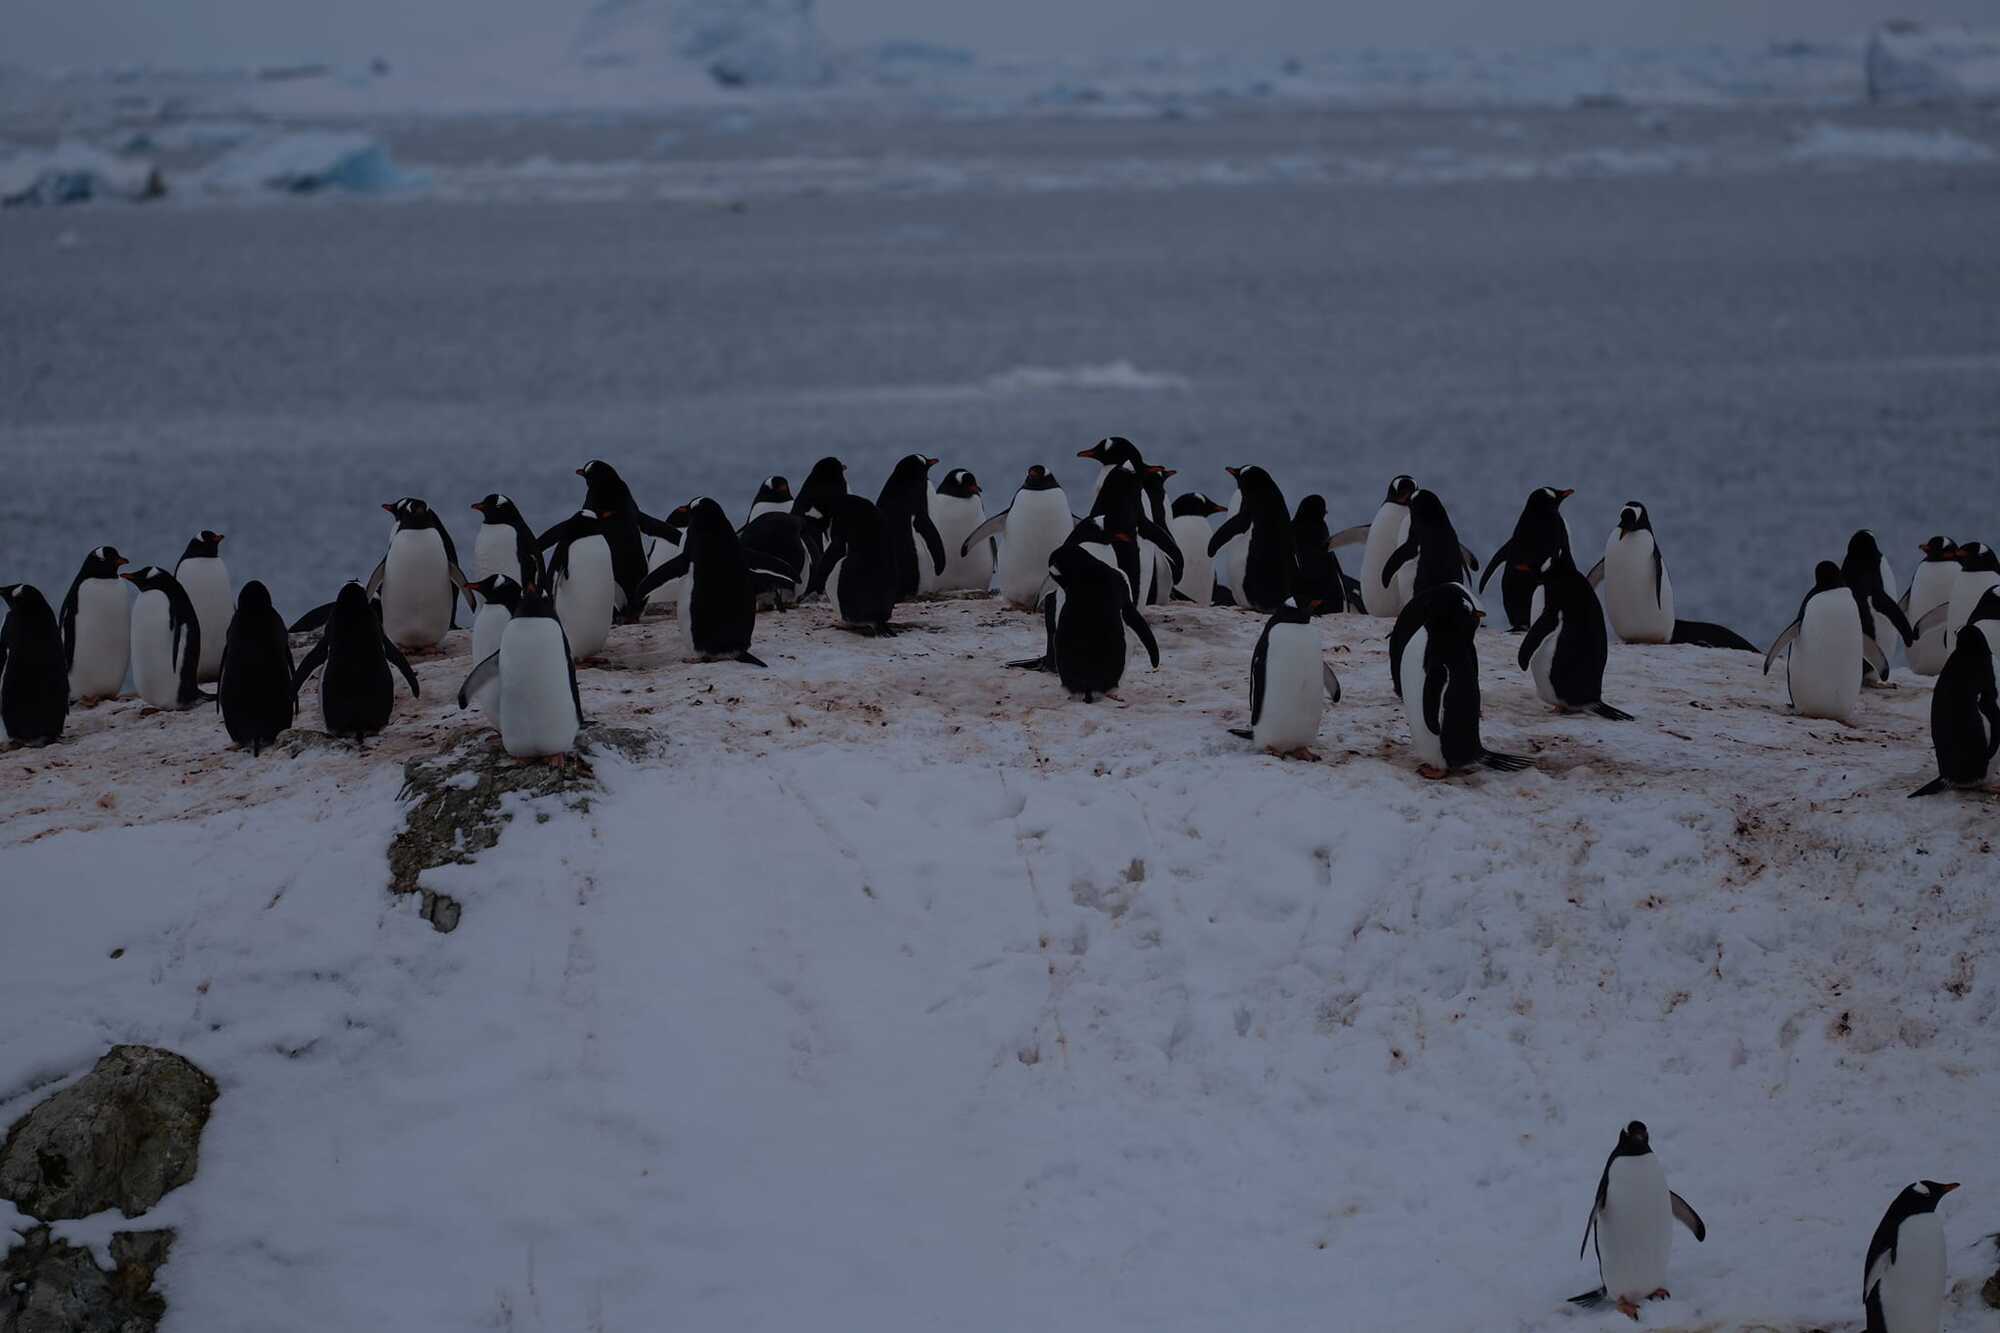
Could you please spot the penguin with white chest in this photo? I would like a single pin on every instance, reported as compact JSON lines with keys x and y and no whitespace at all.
{"x":498,"y":596}
{"x":718,"y":607}
{"x":206,"y":578}
{"x":583,"y":577}
{"x":505,"y":543}
{"x":1632,"y":1221}
{"x":1383,"y":536}
{"x":774,"y":496}
{"x":419,"y":580}
{"x":1136,"y":540}
{"x":1930,"y":587}
{"x":533,"y":676}
{"x":1191,"y":530}
{"x":1290,"y":686}
{"x":166,"y":641}
{"x":1566,"y":648}
{"x":1029,"y":531}
{"x":356,"y":691}
{"x":1825,"y":649}
{"x":34,"y":686}
{"x":1978,"y":570}
{"x":914,"y":543}
{"x":1538,"y":535}
{"x":1433,"y":548}
{"x":253,"y":691}
{"x":1639,"y":595}
{"x":958,"y":508}
{"x":96,"y":622}
{"x":1436,"y":671}
{"x":1903,"y":1278}
{"x":1965,"y":708}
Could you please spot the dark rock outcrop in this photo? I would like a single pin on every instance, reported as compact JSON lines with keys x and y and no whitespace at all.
{"x":51,"y":1286}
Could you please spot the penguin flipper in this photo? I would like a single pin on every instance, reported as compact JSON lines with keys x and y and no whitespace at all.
{"x":1702,"y":634}
{"x":374,"y":584}
{"x":1353,"y":536}
{"x":991,"y":528}
{"x":311,"y":620}
{"x":1541,"y":629}
{"x":1178,"y":596}
{"x":1499,"y":558}
{"x":1596,"y":574}
{"x":1931,"y":788}
{"x":1238,"y":523}
{"x":1589,"y":1299}
{"x":1778,"y":645}
{"x":313,"y":661}
{"x":933,"y":540}
{"x":1606,"y":711}
{"x":665,"y":574}
{"x":657,"y":527}
{"x":1465,"y":554}
{"x":1144,"y":631}
{"x":1505,"y":763}
{"x":1404,"y":554}
{"x":1893,"y":613}
{"x":1688,"y":1217}
{"x":1933,"y":619}
{"x":66,"y":618}
{"x":1330,"y":681}
{"x":402,"y":664}
{"x":750,"y":659}
{"x":487,"y":671}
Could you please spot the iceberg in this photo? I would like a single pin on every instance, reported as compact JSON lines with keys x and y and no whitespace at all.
{"x":74,"y":173}
{"x":1910,"y":62}
{"x":739,"y":43}
{"x":309,"y":161}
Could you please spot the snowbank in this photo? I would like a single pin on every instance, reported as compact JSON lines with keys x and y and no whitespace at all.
{"x":1911,"y":62}
{"x":73,"y":173}
{"x":309,"y":161}
{"x":1846,"y":143}
{"x":740,"y":43}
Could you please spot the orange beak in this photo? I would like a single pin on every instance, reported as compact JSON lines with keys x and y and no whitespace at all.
{"x":388,"y":509}
{"x":1234,"y":471}
{"x":1087,"y":453}
{"x":1565,"y":492}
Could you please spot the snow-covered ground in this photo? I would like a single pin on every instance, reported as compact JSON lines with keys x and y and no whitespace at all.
{"x":898,"y":991}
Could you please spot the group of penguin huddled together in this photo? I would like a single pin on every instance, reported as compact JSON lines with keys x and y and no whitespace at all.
{"x":546,"y":601}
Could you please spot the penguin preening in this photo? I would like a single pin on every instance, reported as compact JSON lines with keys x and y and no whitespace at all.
{"x":1436,"y":671}
{"x":505,"y":544}
{"x":166,"y":641}
{"x":1270,"y":560}
{"x":1539,"y":534}
{"x":533,"y":678}
{"x":1189,"y":524}
{"x":1930,"y":588}
{"x":859,"y":571}
{"x":1088,"y":611}
{"x":905,"y":507}
{"x":1632,"y":1222}
{"x":1433,"y":543}
{"x":718,"y":609}
{"x":1290,"y":686}
{"x":1638,"y":594}
{"x":1827,"y":649}
{"x":1965,"y":708}
{"x":1862,"y":570}
{"x":1566,"y":648}
{"x":254,"y":684}
{"x":1903,"y":1277}
{"x":419,"y":580}
{"x":957,"y":510}
{"x":356,"y":691}
{"x":34,"y":684}
{"x":96,"y":621}
{"x":1029,"y":530}
{"x":1383,"y":535}
{"x":203,"y":575}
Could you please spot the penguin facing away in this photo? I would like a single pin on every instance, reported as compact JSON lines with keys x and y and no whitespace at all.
{"x":1930,"y":587}
{"x":1825,"y":649}
{"x":356,"y":691}
{"x":1029,"y":530}
{"x":1092,"y":607}
{"x":718,"y":610}
{"x":1290,"y":686}
{"x":1903,"y":1278}
{"x":1965,"y":710}
{"x":1567,"y":647}
{"x":96,"y":622}
{"x":419,"y":580}
{"x":1861,"y":570}
{"x":34,"y":685}
{"x":505,"y":544}
{"x":499,"y":595}
{"x":1434,"y":546}
{"x":958,"y":508}
{"x":905,"y":507}
{"x":1136,"y":540}
{"x":1191,"y":530}
{"x":1321,"y":583}
{"x":774,"y":496}
{"x":1383,"y":536}
{"x":166,"y":641}
{"x":858,"y":571}
{"x":254,"y":685}
{"x":204,"y":576}
{"x":1538,"y":534}
{"x":1631,"y":1221}
{"x":1639,"y":595}
{"x":534,"y":678}
{"x":1270,"y":560}
{"x":1437,"y":675}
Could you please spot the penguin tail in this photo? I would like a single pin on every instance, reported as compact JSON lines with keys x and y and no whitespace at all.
{"x":1505,"y":763}
{"x":1931,"y":788}
{"x":1033,"y":664}
{"x":1222,"y":597}
{"x":1701,"y":634}
{"x":1589,"y":1299}
{"x":750,"y":659}
{"x":1606,"y":711}
{"x":1243,"y":732}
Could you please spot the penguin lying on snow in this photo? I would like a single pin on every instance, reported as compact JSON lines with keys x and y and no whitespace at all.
{"x":166,"y":641}
{"x":34,"y":687}
{"x":1086,"y":614}
{"x":205,"y":577}
{"x":1632,"y":1221}
{"x":1965,"y":708}
{"x":1638,"y":595}
{"x":356,"y":693}
{"x":1825,"y":649}
{"x":1383,"y":535}
{"x":505,"y":544}
{"x":1029,"y":531}
{"x":1436,"y":671}
{"x":1290,"y":686}
{"x":1539,"y":534}
{"x":718,"y":609}
{"x":254,"y":684}
{"x":96,"y":623}
{"x":1566,"y":648}
{"x":1903,"y":1278}
{"x":534,"y":678}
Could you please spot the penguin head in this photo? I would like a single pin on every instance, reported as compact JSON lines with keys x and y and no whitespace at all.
{"x":203,"y":545}
{"x":1401,"y":488}
{"x":603,"y":489}
{"x":148,"y":578}
{"x":352,"y":611}
{"x":1153,"y":477}
{"x":1939,"y":548}
{"x":23,"y":598}
{"x":1634,"y":1140}
{"x":1426,"y":508}
{"x":703,"y":517}
{"x":1827,"y":577}
{"x":773,"y":490}
{"x":104,"y":562}
{"x":496,"y":508}
{"x":254,"y":597}
{"x":1113,"y":450}
{"x":1253,"y":481}
{"x":1922,"y":1196}
{"x":1633,"y":518}
{"x":826,"y":483}
{"x":911,"y":470}
{"x":959,"y":484}
{"x":1978,"y":556}
{"x":1452,"y":612}
{"x":410,"y":512}
{"x":1861,"y":546}
{"x":856,"y":519}
{"x":1986,"y":608}
{"x":1195,"y":504}
{"x":1548,"y":498}
{"x":597,"y":471}
{"x":1289,"y":613}
{"x":1312,"y":508}
{"x":499,"y":589}
{"x":534,"y":603}
{"x":1040,"y":479}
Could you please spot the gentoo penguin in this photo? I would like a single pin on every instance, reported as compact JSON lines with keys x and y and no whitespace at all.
{"x":1322,"y":586}
{"x":1136,"y":540}
{"x":534,"y":678}
{"x":626,"y":526}
{"x":1089,"y":537}
{"x":1089,"y":609}
{"x":1110,"y":453}
{"x":1638,"y":595}
{"x":254,"y":687}
{"x":1862,"y":572}
{"x":356,"y":693}
{"x":1566,"y":648}
{"x":1902,"y":1281}
{"x":97,"y":627}
{"x":777,"y":540}
{"x":1191,"y":530}
{"x":1978,"y":570}
{"x":583,"y":578}
{"x":1384,"y":535}
{"x":957,"y":510}
{"x":1632,"y":1221}
{"x":505,"y":544}
{"x":499,"y":595}
{"x":905,"y":507}
{"x":1433,"y":545}
{"x":1228,"y":561}
{"x":1270,"y":560}
{"x":1538,"y":534}
{"x":1290,"y":686}
{"x":813,"y":505}
{"x":661,"y":547}
{"x":1030,"y":529}
{"x":1162,"y":571}
{"x":206,"y":579}
{"x":419,"y":580}
{"x":1929,"y":589}
{"x":1827,"y":648}
{"x":166,"y":640}
{"x":718,"y":608}
{"x":1965,"y":710}
{"x":1437,"y":674}
{"x":34,"y":688}
{"x":858,"y":571}
{"x":774,"y":496}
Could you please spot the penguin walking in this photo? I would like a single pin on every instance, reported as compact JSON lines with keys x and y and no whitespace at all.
{"x":205,"y":577}
{"x":1088,"y":611}
{"x":1383,"y":536}
{"x":166,"y":641}
{"x":1866,"y":572}
{"x":533,"y":676}
{"x":1322,"y":585}
{"x":1638,"y":594}
{"x":859,"y":570}
{"x":1930,"y":588}
{"x":957,"y":510}
{"x":1567,"y":647}
{"x":1270,"y":560}
{"x":1632,"y":1221}
{"x":1903,"y":1278}
{"x":905,"y":507}
{"x":1029,"y":531}
{"x":499,"y":595}
{"x":1965,"y":710}
{"x":1290,"y":686}
{"x":419,"y":580}
{"x":774,"y":496}
{"x":356,"y":692}
{"x":1436,"y":671}
{"x":583,"y":578}
{"x":718,"y":608}
{"x":1825,"y":649}
{"x":96,"y":622}
{"x":505,"y":544}
{"x":254,"y":685}
{"x":1191,"y":530}
{"x":34,"y":684}
{"x":1539,"y":534}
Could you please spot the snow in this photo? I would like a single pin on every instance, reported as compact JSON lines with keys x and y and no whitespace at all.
{"x":1844,"y":143}
{"x":309,"y":161}
{"x":1912,"y":62}
{"x":899,"y":984}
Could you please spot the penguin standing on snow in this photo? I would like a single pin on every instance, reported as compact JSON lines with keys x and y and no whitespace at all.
{"x":858,"y":570}
{"x":813,"y":505}
{"x":1930,"y":588}
{"x":1383,"y":535}
{"x":1978,"y":570}
{"x":1965,"y":710}
{"x":166,"y":641}
{"x":1088,"y":611}
{"x":97,"y":627}
{"x":356,"y":693}
{"x":957,"y":510}
{"x":1163,"y":570}
{"x":777,"y":540}
{"x":1270,"y":560}
{"x":718,"y":608}
{"x":1433,"y":545}
{"x":1862,"y":571}
{"x":1567,"y":647}
{"x":1827,"y":649}
{"x":1632,"y":1221}
{"x":583,"y":579}
{"x":419,"y":579}
{"x":626,"y":527}
{"x":505,"y":544}
{"x":1638,"y":595}
{"x":499,"y":595}
{"x":1290,"y":686}
{"x":1191,"y":530}
{"x":1029,"y":531}
{"x":774,"y":496}
{"x":1436,"y":671}
{"x":254,"y":686}
{"x":1902,"y":1280}
{"x":905,"y":507}
{"x":34,"y":688}
{"x":206,"y":580}
{"x":1538,"y":534}
{"x":533,"y":677}
{"x":1136,"y":540}
{"x":1322,"y":586}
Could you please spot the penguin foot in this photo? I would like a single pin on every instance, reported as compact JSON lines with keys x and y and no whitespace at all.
{"x":1629,"y":1308}
{"x":1432,"y":774}
{"x":1659,"y":1294}
{"x":1301,"y":753}
{"x":1242,"y":733}
{"x":1340,"y":648}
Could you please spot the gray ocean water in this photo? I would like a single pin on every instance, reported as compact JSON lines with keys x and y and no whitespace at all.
{"x":1769,"y":359}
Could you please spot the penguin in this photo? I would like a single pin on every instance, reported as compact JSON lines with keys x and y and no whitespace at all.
{"x":777,"y":540}
{"x":660,"y":548}
{"x":1161,"y":570}
{"x":1965,"y":710}
{"x":1290,"y":686}
{"x":1538,"y":534}
{"x":859,"y":570}
{"x":1228,"y":560}
{"x":1321,"y":586}
{"x":1903,"y":1278}
{"x":1029,"y":531}
{"x":957,"y":509}
{"x":356,"y":693}
{"x":202,"y":574}
{"x":813,"y":505}
{"x":1091,"y":539}
{"x":1433,"y":545}
{"x":1978,"y":570}
{"x":774,"y":496}
{"x":97,"y":627}
{"x":499,"y":594}
{"x":904,"y":505}
{"x":1383,"y":535}
{"x":1270,"y":560}
{"x":166,"y":640}
{"x":1085,"y":609}
{"x":1862,"y":570}
{"x":254,"y":684}
{"x":1827,"y":648}
{"x":1566,"y":648}
{"x":718,"y":608}
{"x":1437,"y":675}
{"x":626,"y":527}
{"x":1632,"y":1221}
{"x":1136,"y":540}
{"x":34,"y":685}
{"x":1191,"y":530}
{"x":1638,"y":595}
{"x":533,"y":676}
{"x":419,"y":580}
{"x":1111,"y":453}
{"x":505,"y":544}
{"x":584,"y":580}
{"x":1930,"y":588}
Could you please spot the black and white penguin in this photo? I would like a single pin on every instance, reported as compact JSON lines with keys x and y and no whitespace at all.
{"x":34,"y":686}
{"x":1120,"y":509}
{"x":774,"y":496}
{"x":905,"y":507}
{"x":533,"y":677}
{"x":1191,"y":529}
{"x":505,"y":544}
{"x":1825,"y":649}
{"x":583,"y":578}
{"x":1322,"y":585}
{"x":499,"y":595}
{"x":1978,"y":570}
{"x":1384,"y":535}
{"x":254,"y":687}
{"x":1632,"y":1220}
{"x":859,"y":570}
{"x":419,"y":580}
{"x":626,"y":526}
{"x":718,"y":608}
{"x":1638,"y":594}
{"x":957,"y":509}
{"x":1567,"y":646}
{"x":1930,"y":588}
{"x":166,"y":640}
{"x":1029,"y":531}
{"x":1270,"y":560}
{"x":778,"y":540}
{"x":205,"y":578}
{"x":1162,"y":570}
{"x":1290,"y":686}
{"x":824,"y":486}
{"x":1965,"y":709}
{"x":97,"y":627}
{"x":1903,"y":1278}
{"x":356,"y":692}
{"x":1089,"y":609}
{"x":1538,"y":534}
{"x":1433,"y":545}
{"x":1111,"y":453}
{"x":1436,"y":671}
{"x":1862,"y":571}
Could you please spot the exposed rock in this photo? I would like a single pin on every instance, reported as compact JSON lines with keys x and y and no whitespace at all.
{"x":51,"y":1286}
{"x":120,"y":1137}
